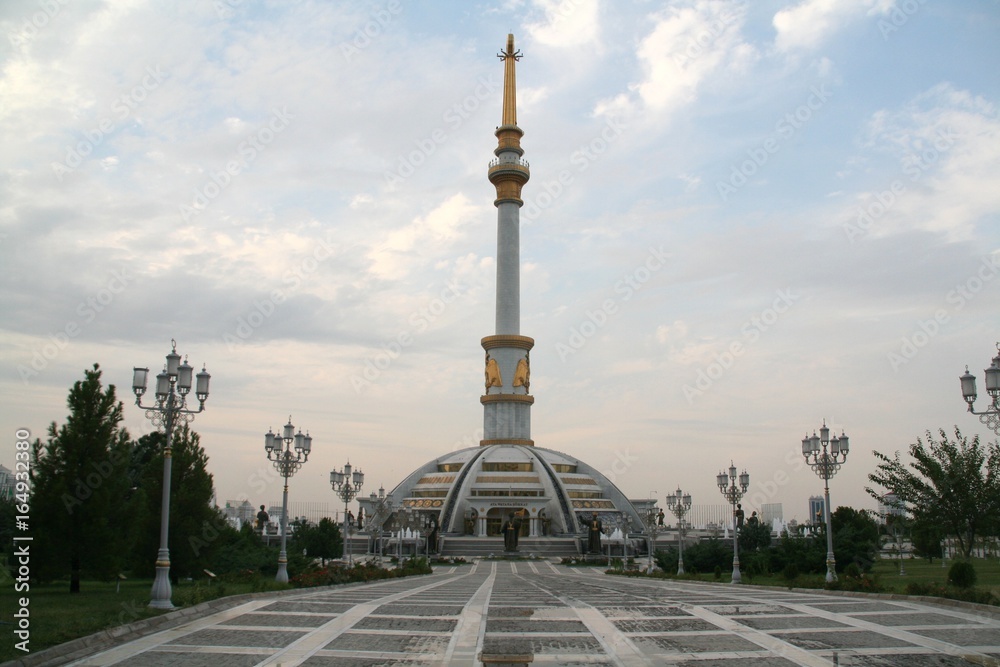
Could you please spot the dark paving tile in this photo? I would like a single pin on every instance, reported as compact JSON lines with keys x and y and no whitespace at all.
{"x":909,"y":660}
{"x":664,"y":625}
{"x":852,"y":606}
{"x":338,"y":661}
{"x":549,"y":645}
{"x":963,"y":636}
{"x":420,"y":624}
{"x":395,"y":609}
{"x":252,"y":638}
{"x":842,"y":640}
{"x":507,"y":625}
{"x":739,"y":662}
{"x":309,"y":607}
{"x":190,"y":659}
{"x":279,"y":620}
{"x":644,"y":612}
{"x":510,"y":612}
{"x":694,"y":643}
{"x":910,"y":619}
{"x":385,"y":643}
{"x":788,"y":622}
{"x":747,"y":609}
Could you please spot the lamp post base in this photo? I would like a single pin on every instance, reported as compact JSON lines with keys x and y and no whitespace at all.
{"x":680,"y":566}
{"x":737,"y":578}
{"x":831,"y":569}
{"x":282,"y":576}
{"x":161,"y":592}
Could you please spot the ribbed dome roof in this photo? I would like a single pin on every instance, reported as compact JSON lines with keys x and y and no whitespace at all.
{"x":495,"y":480}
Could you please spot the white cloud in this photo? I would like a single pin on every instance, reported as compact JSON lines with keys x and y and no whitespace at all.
{"x":946,"y":143}
{"x":427,"y":235}
{"x":685,"y":47}
{"x":567,"y":23}
{"x":808,"y":24}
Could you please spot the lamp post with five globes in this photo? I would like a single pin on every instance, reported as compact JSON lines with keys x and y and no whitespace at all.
{"x":279,"y":453}
{"x":826,"y":464}
{"x":679,"y":503}
{"x":382,"y":507}
{"x":173,"y":385}
{"x":733,"y":493}
{"x":346,"y":484}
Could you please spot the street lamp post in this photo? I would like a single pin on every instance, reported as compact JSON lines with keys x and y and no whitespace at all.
{"x":679,"y":503}
{"x":172,"y":388}
{"x":826,"y":464}
{"x":652,"y":521}
{"x":383,"y":506}
{"x":728,"y":486}
{"x":990,"y":416}
{"x":279,"y":453}
{"x":346,"y":484}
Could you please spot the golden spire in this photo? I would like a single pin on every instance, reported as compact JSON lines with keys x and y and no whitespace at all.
{"x":509,"y":57}
{"x":509,"y":172}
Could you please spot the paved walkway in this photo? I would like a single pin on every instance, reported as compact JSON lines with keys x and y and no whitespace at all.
{"x":567,"y":616}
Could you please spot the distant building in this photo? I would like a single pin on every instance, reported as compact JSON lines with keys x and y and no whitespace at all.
{"x":239,"y":512}
{"x":815,"y":509}
{"x":6,"y":483}
{"x":771,"y":511}
{"x":890,"y":505}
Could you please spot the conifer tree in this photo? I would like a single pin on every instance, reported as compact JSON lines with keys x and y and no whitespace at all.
{"x":194,"y":523}
{"x":79,"y":481}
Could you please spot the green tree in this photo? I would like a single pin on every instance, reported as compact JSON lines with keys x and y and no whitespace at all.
{"x":194,"y":524}
{"x":79,"y":480}
{"x":926,"y":539}
{"x":953,"y":484}
{"x":754,"y":537}
{"x":242,"y":551}
{"x":855,"y":538}
{"x":803,"y":553}
{"x":320,"y":541}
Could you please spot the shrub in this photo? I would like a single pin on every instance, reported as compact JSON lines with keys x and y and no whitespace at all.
{"x":790,"y":573}
{"x":853,"y":571}
{"x":962,"y":574}
{"x":718,"y":572}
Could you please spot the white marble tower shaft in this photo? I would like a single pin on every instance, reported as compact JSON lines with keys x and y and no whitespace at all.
{"x":507,"y":403}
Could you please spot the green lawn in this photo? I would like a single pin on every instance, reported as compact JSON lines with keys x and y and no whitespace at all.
{"x":57,"y":616}
{"x":987,"y":572}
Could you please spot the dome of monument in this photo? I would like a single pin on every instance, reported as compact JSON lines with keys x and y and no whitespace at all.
{"x":473,"y":490}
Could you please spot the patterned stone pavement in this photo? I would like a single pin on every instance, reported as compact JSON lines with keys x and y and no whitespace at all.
{"x":552,"y":615}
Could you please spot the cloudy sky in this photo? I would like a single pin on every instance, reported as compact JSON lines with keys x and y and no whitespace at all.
{"x":743,"y":219}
